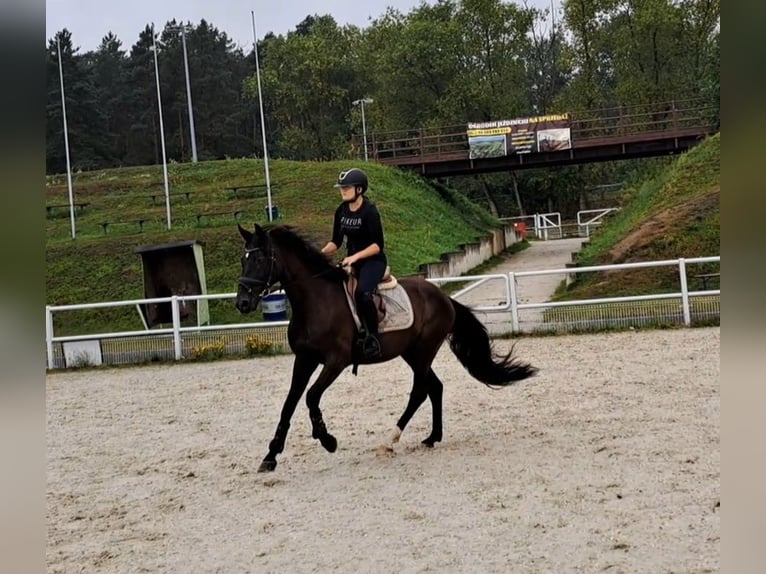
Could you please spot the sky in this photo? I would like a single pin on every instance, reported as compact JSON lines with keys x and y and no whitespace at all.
{"x":90,"y":20}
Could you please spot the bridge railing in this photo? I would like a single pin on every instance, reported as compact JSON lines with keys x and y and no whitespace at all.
{"x":440,"y":142}
{"x":672,"y":116}
{"x":588,"y":127}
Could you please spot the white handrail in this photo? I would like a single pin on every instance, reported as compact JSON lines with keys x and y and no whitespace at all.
{"x":512,"y":304}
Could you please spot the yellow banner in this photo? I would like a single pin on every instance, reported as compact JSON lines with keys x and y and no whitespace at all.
{"x":489,"y":132}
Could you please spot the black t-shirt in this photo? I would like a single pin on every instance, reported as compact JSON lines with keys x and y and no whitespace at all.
{"x":362,"y":228}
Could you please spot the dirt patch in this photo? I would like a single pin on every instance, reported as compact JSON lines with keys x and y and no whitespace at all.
{"x":666,"y":222}
{"x":608,"y":460}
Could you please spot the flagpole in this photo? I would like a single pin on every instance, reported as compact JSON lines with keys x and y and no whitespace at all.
{"x":162,"y":129}
{"x":66,"y":140}
{"x":263,"y":125}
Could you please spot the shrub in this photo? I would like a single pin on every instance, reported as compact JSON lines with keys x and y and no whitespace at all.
{"x":209,"y":351}
{"x":257,"y":345}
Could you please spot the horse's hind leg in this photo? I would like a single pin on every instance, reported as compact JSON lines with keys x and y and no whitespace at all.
{"x":328,"y":375}
{"x":435,"y":388}
{"x":418,"y":395}
{"x":421,"y":388}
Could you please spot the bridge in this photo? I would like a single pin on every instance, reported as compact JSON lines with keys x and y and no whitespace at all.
{"x":608,"y":134}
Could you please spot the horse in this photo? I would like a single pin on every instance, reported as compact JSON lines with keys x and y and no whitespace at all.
{"x":322,"y":331}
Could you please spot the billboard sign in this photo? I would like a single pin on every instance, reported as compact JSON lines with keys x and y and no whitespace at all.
{"x":519,"y":136}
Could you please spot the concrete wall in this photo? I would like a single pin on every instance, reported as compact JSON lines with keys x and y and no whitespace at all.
{"x":471,"y":255}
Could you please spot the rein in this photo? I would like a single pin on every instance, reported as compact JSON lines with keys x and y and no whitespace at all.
{"x":252,"y":284}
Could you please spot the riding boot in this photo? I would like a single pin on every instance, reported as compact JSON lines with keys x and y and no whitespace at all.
{"x":368,"y":314}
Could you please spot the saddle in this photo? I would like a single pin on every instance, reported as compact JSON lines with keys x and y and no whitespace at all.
{"x":391,"y":301}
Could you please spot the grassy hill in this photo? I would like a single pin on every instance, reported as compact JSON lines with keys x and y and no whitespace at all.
{"x":420,"y":222}
{"x":676,"y":214}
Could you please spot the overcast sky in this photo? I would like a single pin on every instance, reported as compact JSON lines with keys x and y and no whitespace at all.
{"x":90,"y":20}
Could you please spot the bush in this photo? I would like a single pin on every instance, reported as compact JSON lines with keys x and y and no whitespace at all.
{"x":208,"y":352}
{"x":256,"y":345}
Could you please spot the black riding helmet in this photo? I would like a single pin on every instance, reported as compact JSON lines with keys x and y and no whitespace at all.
{"x":353,"y":176}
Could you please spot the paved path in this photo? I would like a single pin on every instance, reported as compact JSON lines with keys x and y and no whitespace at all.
{"x":552,"y":254}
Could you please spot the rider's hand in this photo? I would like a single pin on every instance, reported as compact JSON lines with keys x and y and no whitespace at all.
{"x":349,"y":261}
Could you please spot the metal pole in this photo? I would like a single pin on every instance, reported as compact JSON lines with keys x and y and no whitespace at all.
{"x":66,"y":140}
{"x":49,"y":335}
{"x":364,"y":132}
{"x":361,"y":102}
{"x":162,"y":128}
{"x":176,"y":314}
{"x":189,"y":98}
{"x":684,"y":292}
{"x":263,"y":124}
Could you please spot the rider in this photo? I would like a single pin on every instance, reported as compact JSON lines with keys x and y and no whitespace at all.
{"x":358,"y":220}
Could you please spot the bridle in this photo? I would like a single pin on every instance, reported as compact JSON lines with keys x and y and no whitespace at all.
{"x":252,"y":284}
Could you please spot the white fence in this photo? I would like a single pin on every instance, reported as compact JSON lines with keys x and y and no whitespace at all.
{"x":549,"y":226}
{"x":595,"y":217}
{"x":683,"y":307}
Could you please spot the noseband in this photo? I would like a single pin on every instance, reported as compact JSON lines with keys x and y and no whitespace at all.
{"x":253,"y":284}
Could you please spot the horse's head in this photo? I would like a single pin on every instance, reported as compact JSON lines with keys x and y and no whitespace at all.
{"x":258,"y":267}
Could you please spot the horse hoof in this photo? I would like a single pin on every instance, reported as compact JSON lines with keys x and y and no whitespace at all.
{"x":267,"y":466}
{"x":329,"y":443}
{"x":430,"y":441}
{"x":384,"y":450}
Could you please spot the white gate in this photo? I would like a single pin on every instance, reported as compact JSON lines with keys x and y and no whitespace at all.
{"x":548,"y":225}
{"x":596,"y":219}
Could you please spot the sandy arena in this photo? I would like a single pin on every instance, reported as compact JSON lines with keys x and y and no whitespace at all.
{"x":607,"y":461}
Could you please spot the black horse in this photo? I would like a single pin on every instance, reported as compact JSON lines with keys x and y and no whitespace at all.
{"x":322,"y":331}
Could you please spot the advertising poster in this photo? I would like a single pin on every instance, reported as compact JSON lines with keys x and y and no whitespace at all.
{"x":519,"y":136}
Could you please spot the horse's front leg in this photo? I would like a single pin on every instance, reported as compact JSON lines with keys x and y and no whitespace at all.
{"x":303,"y":367}
{"x":328,"y":375}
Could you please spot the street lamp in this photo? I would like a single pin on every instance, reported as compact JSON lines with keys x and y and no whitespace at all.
{"x":360,"y":102}
{"x":162,"y":128}
{"x":188,"y":93}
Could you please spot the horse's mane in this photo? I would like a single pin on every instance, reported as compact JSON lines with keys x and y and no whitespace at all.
{"x":289,"y":238}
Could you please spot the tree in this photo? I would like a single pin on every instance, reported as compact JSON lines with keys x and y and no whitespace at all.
{"x":108,"y":68}
{"x":309,"y":77}
{"x":141,"y":108}
{"x":85,"y":121}
{"x":548,"y":70}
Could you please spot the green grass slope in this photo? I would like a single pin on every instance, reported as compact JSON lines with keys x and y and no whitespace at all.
{"x":676,"y":214}
{"x":420,"y":222}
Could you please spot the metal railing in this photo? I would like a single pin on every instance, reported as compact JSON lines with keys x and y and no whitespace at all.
{"x":588,"y":127}
{"x":177,"y":342}
{"x":596,"y":218}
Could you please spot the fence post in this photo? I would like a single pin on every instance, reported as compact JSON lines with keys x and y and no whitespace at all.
{"x":49,"y":335}
{"x":176,"y":327}
{"x":674,"y":114}
{"x":514,"y":302}
{"x":620,"y":122}
{"x":684,"y":292}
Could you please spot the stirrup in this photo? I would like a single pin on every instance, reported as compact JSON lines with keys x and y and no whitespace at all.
{"x":370,"y":347}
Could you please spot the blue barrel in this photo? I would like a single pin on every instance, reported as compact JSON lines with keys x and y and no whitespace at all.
{"x":274,"y":306}
{"x":274,"y":212}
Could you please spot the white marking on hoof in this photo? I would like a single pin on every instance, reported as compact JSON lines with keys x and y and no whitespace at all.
{"x":384,"y":450}
{"x":388,"y":449}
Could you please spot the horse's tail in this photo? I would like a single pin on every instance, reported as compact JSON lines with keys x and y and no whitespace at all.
{"x":470,"y":343}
